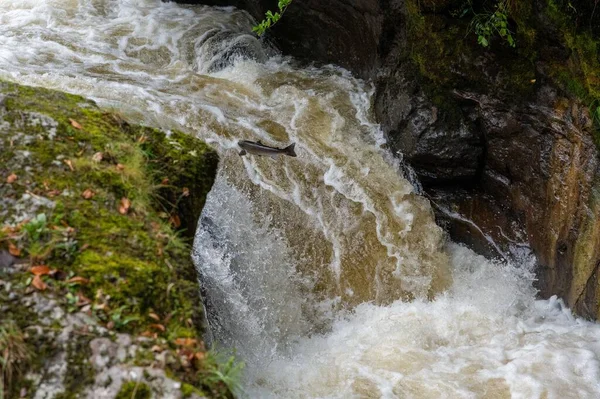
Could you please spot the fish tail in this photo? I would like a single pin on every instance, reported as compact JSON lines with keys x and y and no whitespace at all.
{"x":289,"y":150}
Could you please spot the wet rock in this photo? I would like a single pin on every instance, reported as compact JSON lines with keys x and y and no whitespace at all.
{"x":326,"y":31}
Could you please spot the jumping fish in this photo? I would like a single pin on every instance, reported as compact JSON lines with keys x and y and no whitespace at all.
{"x":258,"y":148}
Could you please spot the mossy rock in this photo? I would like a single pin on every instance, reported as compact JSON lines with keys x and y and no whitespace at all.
{"x":553,"y":46}
{"x":109,"y":207}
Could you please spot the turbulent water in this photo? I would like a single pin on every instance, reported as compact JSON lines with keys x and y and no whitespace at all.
{"x":326,"y":272}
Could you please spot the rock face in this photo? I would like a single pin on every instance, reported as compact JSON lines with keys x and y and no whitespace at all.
{"x":502,"y":144}
{"x":501,"y":138}
{"x":342,"y":32}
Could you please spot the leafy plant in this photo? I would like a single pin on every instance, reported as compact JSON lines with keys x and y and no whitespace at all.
{"x":36,"y":227}
{"x":119,"y":320}
{"x":228,"y":372}
{"x":271,"y":18}
{"x":487,"y":25}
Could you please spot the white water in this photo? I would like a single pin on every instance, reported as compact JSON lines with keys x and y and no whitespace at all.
{"x":310,"y":263}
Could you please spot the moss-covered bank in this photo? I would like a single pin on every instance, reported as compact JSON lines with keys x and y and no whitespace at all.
{"x":98,"y":214}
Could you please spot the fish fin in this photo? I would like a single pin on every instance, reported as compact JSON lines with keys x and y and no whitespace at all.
{"x":242,"y":153}
{"x":289,"y":150}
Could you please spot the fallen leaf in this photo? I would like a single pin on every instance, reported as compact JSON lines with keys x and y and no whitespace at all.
{"x":124,"y":207}
{"x":40,"y":270}
{"x":186,"y":192}
{"x":82,"y":300}
{"x":165,"y":181}
{"x":13,"y":250}
{"x":78,"y":280}
{"x":75,"y":124}
{"x":142,"y":139}
{"x":101,"y":306}
{"x":87,"y":194}
{"x":97,"y":157}
{"x":156,"y":349}
{"x":175,"y":221}
{"x":169,"y":288}
{"x":69,"y":164}
{"x":185,"y":341}
{"x":53,"y":193}
{"x":38,"y":283}
{"x":86,"y":309}
{"x":532,"y":80}
{"x":154,"y":316}
{"x":110,"y":325}
{"x":11,"y":178}
{"x":200,"y":355}
{"x":158,"y":327}
{"x":120,"y":166}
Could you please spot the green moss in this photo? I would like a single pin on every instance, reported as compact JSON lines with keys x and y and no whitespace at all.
{"x":134,"y":390}
{"x":188,"y":390}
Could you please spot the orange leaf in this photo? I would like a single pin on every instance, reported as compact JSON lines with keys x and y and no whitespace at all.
{"x":125,"y":204}
{"x":175,"y":221}
{"x":185,"y":341}
{"x":11,"y":178}
{"x":40,"y":270}
{"x":78,"y":279}
{"x":75,"y":124}
{"x":69,"y":164}
{"x":13,"y":250}
{"x":154,"y":316}
{"x":186,"y":192}
{"x":38,"y":283}
{"x":158,"y":327}
{"x":200,"y":355}
{"x":87,"y":194}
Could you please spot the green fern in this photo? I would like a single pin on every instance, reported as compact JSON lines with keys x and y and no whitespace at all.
{"x":271,"y":18}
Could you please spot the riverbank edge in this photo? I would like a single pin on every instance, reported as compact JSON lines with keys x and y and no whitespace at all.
{"x":98,"y":293}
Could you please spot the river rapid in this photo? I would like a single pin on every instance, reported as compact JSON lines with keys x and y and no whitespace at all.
{"x":325,"y":273}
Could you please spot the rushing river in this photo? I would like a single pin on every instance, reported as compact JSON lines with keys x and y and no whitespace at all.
{"x":326,"y":272}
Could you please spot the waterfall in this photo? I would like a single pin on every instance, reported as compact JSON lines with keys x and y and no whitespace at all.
{"x":326,"y":273}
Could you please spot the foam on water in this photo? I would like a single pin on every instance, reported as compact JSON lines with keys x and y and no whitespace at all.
{"x":308,"y":265}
